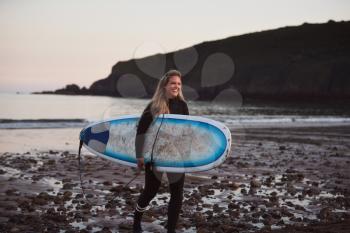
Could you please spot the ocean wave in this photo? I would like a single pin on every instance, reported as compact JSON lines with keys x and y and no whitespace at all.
{"x":42,"y":123}
{"x":280,"y":121}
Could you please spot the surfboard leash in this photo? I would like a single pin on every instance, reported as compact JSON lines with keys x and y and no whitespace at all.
{"x":81,"y":178}
{"x":154,"y":142}
{"x":80,"y":172}
{"x":127,"y":184}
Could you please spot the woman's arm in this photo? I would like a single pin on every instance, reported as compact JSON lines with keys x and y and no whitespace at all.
{"x":185,"y":109}
{"x":142,"y":127}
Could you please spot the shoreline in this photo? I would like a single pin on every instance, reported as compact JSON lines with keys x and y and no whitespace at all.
{"x":24,"y":140}
{"x":322,"y":101}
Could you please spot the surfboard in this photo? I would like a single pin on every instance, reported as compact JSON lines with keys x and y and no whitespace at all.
{"x":180,"y":143}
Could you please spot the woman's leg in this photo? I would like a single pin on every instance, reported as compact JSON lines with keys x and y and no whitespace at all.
{"x":176,"y":183}
{"x":152,"y":184}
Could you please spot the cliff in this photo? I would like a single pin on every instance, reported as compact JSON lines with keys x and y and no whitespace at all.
{"x":306,"y":62}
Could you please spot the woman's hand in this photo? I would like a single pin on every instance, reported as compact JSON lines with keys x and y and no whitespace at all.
{"x":140,"y":163}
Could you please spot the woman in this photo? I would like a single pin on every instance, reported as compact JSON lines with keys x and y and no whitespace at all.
{"x":168,"y":98}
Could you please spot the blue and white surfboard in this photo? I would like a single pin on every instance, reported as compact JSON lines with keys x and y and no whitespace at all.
{"x":184,"y":143}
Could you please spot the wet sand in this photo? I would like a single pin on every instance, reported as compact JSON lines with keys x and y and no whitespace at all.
{"x":276,"y":180}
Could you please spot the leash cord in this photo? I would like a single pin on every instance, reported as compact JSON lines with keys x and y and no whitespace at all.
{"x":81,"y":179}
{"x":80,"y":172}
{"x":131,"y":180}
{"x":155,"y":140}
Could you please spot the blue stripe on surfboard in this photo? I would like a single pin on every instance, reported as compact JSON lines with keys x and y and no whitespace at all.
{"x":87,"y":135}
{"x":126,"y":120}
{"x":221,"y":143}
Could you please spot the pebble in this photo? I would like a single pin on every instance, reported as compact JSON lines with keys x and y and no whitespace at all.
{"x":232,"y":186}
{"x":11,"y":192}
{"x":325,"y":213}
{"x":282,"y":148}
{"x":68,"y":186}
{"x":107,"y":183}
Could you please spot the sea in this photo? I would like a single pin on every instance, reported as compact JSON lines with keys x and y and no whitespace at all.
{"x":32,"y":111}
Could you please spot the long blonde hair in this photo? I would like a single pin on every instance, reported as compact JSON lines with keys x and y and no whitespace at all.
{"x":159,"y":100}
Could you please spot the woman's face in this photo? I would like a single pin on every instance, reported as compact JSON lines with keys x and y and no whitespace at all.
{"x":173,"y":87}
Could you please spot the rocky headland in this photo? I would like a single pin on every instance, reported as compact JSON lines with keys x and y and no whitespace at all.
{"x":307,"y":62}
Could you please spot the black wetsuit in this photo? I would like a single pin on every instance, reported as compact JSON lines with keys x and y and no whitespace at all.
{"x":152,"y":177}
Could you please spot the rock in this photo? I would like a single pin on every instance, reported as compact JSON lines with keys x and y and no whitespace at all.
{"x":61,"y":208}
{"x":68,"y":186}
{"x":42,"y":199}
{"x":282,"y":148}
{"x":66,"y":180}
{"x":25,"y":206}
{"x":276,"y":214}
{"x":125,"y":226}
{"x":312,"y":191}
{"x":325,"y":213}
{"x":244,"y":191}
{"x":105,"y":230}
{"x":252,"y":191}
{"x":268,"y":220}
{"x":78,"y":215}
{"x":206,"y":205}
{"x":291,"y":170}
{"x":273,"y":201}
{"x":51,"y":162}
{"x":232,"y":186}
{"x":285,"y":212}
{"x":86,"y":206}
{"x":65,"y":153}
{"x":11,"y":192}
{"x":15,"y":229}
{"x":79,"y":195}
{"x":107,"y":183}
{"x":300,"y":177}
{"x":290,"y":189}
{"x":203,"y":230}
{"x":299,"y":207}
{"x":228,"y":228}
{"x":290,"y":204}
{"x":210,"y":192}
{"x":67,"y":195}
{"x":117,"y":189}
{"x":199,"y":219}
{"x":217,"y":208}
{"x":148,"y":218}
{"x":255,"y":183}
{"x":196,"y":196}
{"x":39,"y":201}
{"x":111,"y":205}
{"x":268,"y":181}
{"x":233,"y":206}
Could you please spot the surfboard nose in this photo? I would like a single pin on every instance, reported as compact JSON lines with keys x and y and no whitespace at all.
{"x":96,"y":136}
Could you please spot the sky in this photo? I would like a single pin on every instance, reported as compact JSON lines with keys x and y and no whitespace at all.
{"x":46,"y":44}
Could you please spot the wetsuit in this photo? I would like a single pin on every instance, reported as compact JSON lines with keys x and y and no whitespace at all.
{"x":152,"y":177}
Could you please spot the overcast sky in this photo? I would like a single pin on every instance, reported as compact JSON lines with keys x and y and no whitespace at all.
{"x":46,"y":44}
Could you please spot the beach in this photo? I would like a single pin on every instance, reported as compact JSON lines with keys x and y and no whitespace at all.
{"x":276,"y":179}
{"x":113,"y":73}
